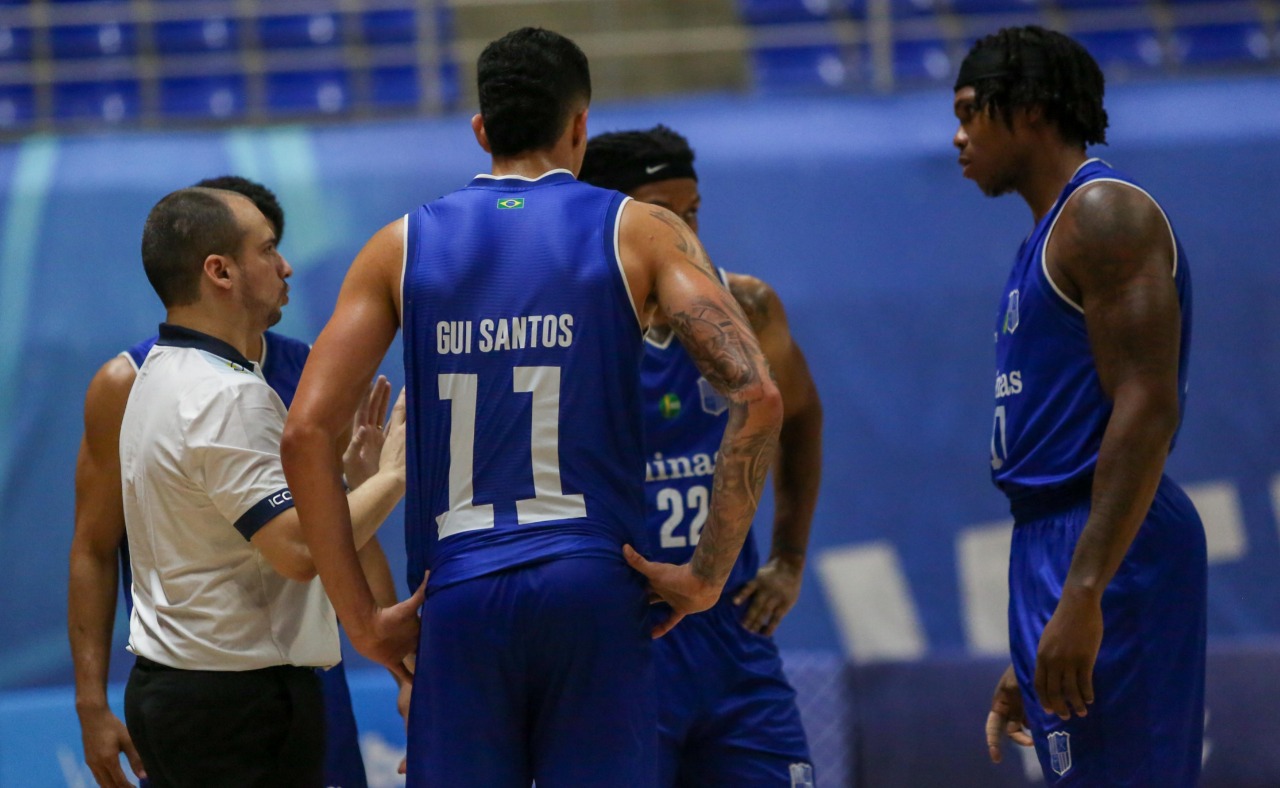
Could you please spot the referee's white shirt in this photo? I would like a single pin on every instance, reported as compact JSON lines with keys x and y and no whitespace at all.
{"x":201,"y":473}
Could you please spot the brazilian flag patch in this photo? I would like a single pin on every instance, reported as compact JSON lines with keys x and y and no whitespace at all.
{"x":511,"y":203}
{"x":669,"y":406}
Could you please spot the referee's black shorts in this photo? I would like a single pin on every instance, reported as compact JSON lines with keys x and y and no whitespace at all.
{"x":227,"y":728}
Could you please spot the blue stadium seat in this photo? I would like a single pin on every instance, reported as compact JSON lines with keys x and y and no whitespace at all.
{"x":300,"y":92}
{"x":928,"y":60}
{"x":389,"y":27}
{"x":221,"y":96}
{"x":212,"y":34}
{"x":772,"y":12}
{"x":996,"y":6}
{"x":300,"y":30}
{"x":1098,"y":3}
{"x":17,"y":106}
{"x":395,"y":86}
{"x":450,"y":84}
{"x":907,"y":8}
{"x":15,"y":43}
{"x":86,"y":41}
{"x":822,"y":67}
{"x":1225,"y":44}
{"x":110,"y":101}
{"x":1124,"y":49}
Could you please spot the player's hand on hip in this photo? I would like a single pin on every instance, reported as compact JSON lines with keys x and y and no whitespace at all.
{"x":1007,"y":716}
{"x":105,"y":737}
{"x":1068,"y":649}
{"x":360,"y":460}
{"x":392,"y":634}
{"x":674,"y":584}
{"x":772,"y":593}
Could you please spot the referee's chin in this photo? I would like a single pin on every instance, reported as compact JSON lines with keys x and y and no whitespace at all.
{"x":274,"y":317}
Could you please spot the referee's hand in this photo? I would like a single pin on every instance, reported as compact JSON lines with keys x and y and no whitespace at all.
{"x":105,"y":737}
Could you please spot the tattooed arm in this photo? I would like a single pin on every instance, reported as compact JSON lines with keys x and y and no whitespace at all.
{"x":668,"y":270}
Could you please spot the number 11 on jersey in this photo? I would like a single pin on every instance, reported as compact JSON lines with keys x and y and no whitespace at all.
{"x":549,"y":501}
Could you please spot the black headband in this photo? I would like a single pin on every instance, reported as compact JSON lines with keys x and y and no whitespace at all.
{"x":624,"y":179}
{"x":991,"y":64}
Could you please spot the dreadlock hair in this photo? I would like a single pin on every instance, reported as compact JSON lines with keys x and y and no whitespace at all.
{"x":259,"y":195}
{"x":1030,"y":66}
{"x":623,"y":160}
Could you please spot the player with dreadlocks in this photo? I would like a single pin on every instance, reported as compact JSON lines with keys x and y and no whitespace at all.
{"x":1107,"y":567}
{"x":727,"y":715}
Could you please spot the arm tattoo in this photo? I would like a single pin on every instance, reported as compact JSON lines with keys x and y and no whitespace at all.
{"x":687,"y":245}
{"x":713,"y":336}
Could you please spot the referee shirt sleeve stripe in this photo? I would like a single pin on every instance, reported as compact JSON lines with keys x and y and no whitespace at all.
{"x":263,"y":512}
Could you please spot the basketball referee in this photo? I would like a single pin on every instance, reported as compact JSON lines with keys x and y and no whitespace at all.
{"x":228,"y":620}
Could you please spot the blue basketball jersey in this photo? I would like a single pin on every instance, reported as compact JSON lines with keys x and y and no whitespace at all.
{"x":1050,"y":408}
{"x":522,"y":360}
{"x":282,"y":361}
{"x":684,"y":420}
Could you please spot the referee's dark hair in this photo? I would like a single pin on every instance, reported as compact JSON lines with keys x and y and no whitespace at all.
{"x":623,"y":160}
{"x":182,"y":230}
{"x":261,"y":196}
{"x":1030,"y":66}
{"x":531,"y":81}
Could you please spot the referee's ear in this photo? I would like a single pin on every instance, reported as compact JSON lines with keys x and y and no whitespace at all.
{"x":217,"y":269}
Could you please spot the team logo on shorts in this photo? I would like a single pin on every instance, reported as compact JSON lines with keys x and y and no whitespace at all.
{"x":511,"y":203}
{"x":669,"y":405}
{"x":712,"y":402}
{"x":1060,"y":752}
{"x":1011,"y":314}
{"x":801,"y":775}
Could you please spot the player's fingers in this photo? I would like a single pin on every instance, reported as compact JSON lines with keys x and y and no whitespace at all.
{"x":1072,"y":695}
{"x":995,"y":722}
{"x":760,"y":613}
{"x":1086,"y":683}
{"x":745,"y":592}
{"x":668,"y":625}
{"x":1019,"y":735}
{"x":1041,"y":684}
{"x":382,"y":398}
{"x":774,"y":620}
{"x":403,"y":768}
{"x":135,"y":760}
{"x":1054,"y":701}
{"x":637,"y":561}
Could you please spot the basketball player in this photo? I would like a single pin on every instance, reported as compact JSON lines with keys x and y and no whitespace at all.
{"x":523,"y":302}
{"x":727,"y":715}
{"x":1107,"y":570}
{"x":100,"y":536}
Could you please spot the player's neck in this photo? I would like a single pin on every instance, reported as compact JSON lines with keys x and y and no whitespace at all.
{"x":1046,"y":177}
{"x":531,"y":165}
{"x":232,"y":329}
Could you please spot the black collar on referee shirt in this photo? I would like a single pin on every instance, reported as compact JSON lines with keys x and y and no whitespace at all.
{"x":173,"y":335}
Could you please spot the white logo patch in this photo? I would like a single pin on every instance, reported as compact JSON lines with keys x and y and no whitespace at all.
{"x":1060,"y":752}
{"x":801,"y":775}
{"x":712,"y":402}
{"x":655,"y":168}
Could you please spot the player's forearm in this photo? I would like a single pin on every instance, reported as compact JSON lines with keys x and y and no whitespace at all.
{"x":90,"y":618}
{"x":314,"y":472}
{"x":1130,"y":463}
{"x":746,"y":451}
{"x":796,"y":478}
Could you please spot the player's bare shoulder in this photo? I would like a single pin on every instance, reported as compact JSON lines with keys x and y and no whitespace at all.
{"x":109,"y":388}
{"x":758,"y":300}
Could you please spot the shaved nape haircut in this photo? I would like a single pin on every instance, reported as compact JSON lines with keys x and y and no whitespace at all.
{"x":262,"y":197}
{"x":531,"y":82}
{"x":625,"y":160}
{"x":182,"y":230}
{"x":1034,"y":67}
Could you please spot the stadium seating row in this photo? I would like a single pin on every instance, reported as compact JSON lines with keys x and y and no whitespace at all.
{"x":217,"y":33}
{"x":781,"y":11}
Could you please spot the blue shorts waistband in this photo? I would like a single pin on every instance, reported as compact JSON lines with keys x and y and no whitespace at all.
{"x":1030,"y":503}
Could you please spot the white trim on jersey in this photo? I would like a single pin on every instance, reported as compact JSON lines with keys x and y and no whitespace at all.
{"x":522,"y":177}
{"x":404,"y":261}
{"x":617,"y":258}
{"x":1044,"y":250}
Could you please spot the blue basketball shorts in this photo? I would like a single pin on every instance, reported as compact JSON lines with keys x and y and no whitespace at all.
{"x":727,"y":714}
{"x":1146,"y":724}
{"x":542,"y":672}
